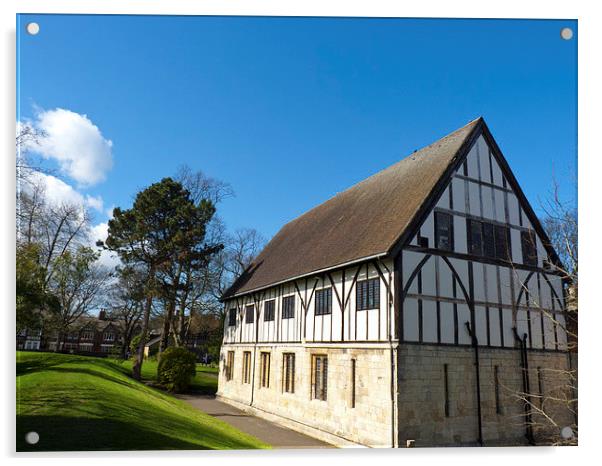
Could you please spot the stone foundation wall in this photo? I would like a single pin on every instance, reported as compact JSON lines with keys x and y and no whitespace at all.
{"x":368,"y":423}
{"x":422,"y":398}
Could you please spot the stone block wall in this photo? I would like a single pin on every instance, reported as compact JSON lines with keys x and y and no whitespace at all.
{"x":422,"y":394}
{"x":369,"y":423}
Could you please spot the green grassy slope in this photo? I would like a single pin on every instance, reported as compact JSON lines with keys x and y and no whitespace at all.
{"x":82,"y":403}
{"x":204,"y":382}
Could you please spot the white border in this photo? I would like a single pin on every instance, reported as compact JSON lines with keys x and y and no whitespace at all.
{"x":590,"y":84}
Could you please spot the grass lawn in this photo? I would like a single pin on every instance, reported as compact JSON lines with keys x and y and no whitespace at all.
{"x":84,"y":403}
{"x":204,"y":382}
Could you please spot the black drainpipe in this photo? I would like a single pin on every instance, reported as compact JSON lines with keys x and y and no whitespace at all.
{"x":524,"y":364}
{"x":475,"y":345}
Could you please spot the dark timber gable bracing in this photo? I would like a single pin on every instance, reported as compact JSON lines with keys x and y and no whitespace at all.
{"x":373,"y":218}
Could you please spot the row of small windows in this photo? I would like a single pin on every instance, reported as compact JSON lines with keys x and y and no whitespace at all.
{"x":484,"y":239}
{"x":319,"y":372}
{"x":367,"y":297}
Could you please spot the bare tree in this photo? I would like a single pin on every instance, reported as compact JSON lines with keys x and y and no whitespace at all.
{"x":126,"y":298}
{"x":78,"y":284}
{"x":551,"y":406}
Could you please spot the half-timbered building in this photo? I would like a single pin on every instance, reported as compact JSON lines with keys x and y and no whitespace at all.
{"x":411,"y":308}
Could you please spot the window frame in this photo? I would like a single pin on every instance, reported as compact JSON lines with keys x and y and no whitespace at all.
{"x":229,"y":365}
{"x":528,"y":240}
{"x":362,"y":297}
{"x":251,"y":308}
{"x":246,"y":367}
{"x":319,"y":309}
{"x":232,"y":317}
{"x":269,"y":316}
{"x":288,"y":313}
{"x":438,"y":216}
{"x":319,"y":377}
{"x":264,"y":369}
{"x":288,"y":372}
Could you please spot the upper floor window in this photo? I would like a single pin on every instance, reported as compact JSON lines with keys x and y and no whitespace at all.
{"x":87,"y":335}
{"x":288,"y":307}
{"x":108,"y":336}
{"x":367,"y":294}
{"x":488,"y":240}
{"x":529,"y":247}
{"x":250,"y":314}
{"x":324,"y":301}
{"x":231,"y":317}
{"x":268,"y":310}
{"x":444,"y":231}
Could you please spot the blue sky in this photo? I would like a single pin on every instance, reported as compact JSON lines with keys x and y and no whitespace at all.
{"x":290,"y":111}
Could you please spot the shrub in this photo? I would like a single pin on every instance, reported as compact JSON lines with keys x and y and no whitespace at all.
{"x":177,"y":367}
{"x":134,"y":344}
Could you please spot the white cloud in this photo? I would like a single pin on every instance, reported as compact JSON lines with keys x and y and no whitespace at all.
{"x":75,"y":143}
{"x":58,"y":192}
{"x":107,"y":258}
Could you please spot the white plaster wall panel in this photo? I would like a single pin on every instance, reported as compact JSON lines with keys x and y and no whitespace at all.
{"x":505,"y":285}
{"x":447,"y":323}
{"x":483,"y":151}
{"x":428,"y":229}
{"x":362,"y":325}
{"x":548,"y":330}
{"x":410,"y":261}
{"x":480,"y":318}
{"x":536,"y":329}
{"x":429,"y":321}
{"x":335,"y":321}
{"x":492,"y":288}
{"x":513,"y":209}
{"x":460,"y":235}
{"x":556,"y":283}
{"x":500,"y":211}
{"x":521,"y":285}
{"x":534,"y":298}
{"x":561,"y":331}
{"x":487,"y":202}
{"x":515,"y":246}
{"x":463,"y":317}
{"x":474,"y":199}
{"x":522,"y":324}
{"x":318,"y":328}
{"x":443,"y":201}
{"x":410,"y":320}
{"x":461,"y":267}
{"x":497,"y":173}
{"x":428,"y":278}
{"x":446,"y":288}
{"x":495,"y":330}
{"x":458,"y":195}
{"x":507,"y":325}
{"x":542,"y":254}
{"x":478,"y":275}
{"x":373,"y":324}
{"x":546,"y":294}
{"x":471,"y":160}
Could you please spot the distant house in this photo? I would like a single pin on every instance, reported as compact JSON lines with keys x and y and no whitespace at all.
{"x":29,"y":339}
{"x":87,"y":335}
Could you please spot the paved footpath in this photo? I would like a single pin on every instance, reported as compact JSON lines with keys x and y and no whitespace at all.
{"x":268,"y":432}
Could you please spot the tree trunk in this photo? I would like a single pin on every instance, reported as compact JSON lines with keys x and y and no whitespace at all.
{"x":137,"y":368}
{"x":167,"y":325}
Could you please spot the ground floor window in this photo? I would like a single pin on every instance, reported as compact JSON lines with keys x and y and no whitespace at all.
{"x":319,"y":376}
{"x":288,"y":370}
{"x":229,"y":365}
{"x":246,"y":367}
{"x":265,"y":370}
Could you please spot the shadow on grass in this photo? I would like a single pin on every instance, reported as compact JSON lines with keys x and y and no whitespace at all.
{"x":60,"y":433}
